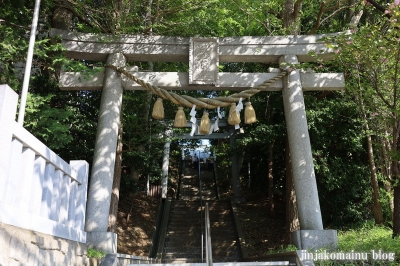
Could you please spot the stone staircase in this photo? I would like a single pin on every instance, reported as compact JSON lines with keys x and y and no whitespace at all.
{"x":224,"y":237}
{"x":183,"y":233}
{"x":183,"y":241}
{"x":183,"y":238}
{"x":189,"y":184}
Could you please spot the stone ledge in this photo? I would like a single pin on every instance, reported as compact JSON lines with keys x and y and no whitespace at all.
{"x":26,"y":247}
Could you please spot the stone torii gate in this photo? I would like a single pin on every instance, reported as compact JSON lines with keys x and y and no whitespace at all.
{"x":203,"y":55}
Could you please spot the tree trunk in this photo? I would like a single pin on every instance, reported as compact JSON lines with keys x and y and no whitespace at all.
{"x":62,"y":19}
{"x":290,"y":14}
{"x":395,"y":175}
{"x":241,"y":160}
{"x":271,"y":205}
{"x":112,"y":218}
{"x":389,"y":191}
{"x":292,"y":216}
{"x":376,"y":206}
{"x":385,"y":162}
{"x":396,"y":212}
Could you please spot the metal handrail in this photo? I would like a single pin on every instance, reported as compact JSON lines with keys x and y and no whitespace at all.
{"x":201,"y":209}
{"x":180,"y":175}
{"x":208,"y":237}
{"x":156,"y":233}
{"x":216,"y":178}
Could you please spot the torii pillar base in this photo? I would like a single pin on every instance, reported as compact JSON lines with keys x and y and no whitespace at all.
{"x":314,"y":239}
{"x":104,"y":241}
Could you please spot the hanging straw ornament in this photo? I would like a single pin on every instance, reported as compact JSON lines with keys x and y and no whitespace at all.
{"x":234,"y":117}
{"x":204,"y":124}
{"x":249,"y":114}
{"x":158,"y":109}
{"x":180,"y":118}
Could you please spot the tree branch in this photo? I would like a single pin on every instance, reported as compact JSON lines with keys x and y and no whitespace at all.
{"x":14,"y":25}
{"x":376,"y":5}
{"x":323,"y":9}
{"x":297,"y":7}
{"x":376,"y":87}
{"x":69,"y":5}
{"x":252,"y":16}
{"x":319,"y":16}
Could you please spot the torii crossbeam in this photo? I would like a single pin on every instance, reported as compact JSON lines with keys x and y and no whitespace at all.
{"x":204,"y":56}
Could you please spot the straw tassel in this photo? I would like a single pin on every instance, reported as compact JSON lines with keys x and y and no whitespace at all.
{"x":180,"y":118}
{"x":204,"y":124}
{"x":249,"y":114}
{"x":158,"y":109}
{"x":234,"y":117}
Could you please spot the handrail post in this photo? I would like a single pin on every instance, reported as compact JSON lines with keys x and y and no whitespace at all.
{"x":208,"y":238}
{"x":201,"y":210}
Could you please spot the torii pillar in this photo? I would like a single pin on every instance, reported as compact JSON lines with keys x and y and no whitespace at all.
{"x":101,"y":180}
{"x":311,"y":234}
{"x":165,"y":166}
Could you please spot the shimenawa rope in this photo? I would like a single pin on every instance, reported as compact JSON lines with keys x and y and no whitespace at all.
{"x":207,"y":103}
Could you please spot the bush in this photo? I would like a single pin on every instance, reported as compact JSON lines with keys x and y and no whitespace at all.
{"x":94,"y":253}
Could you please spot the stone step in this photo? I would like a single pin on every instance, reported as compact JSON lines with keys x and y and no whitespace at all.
{"x":228,"y":253}
{"x":188,"y":222}
{"x":187,"y":207}
{"x":183,"y":239}
{"x":188,"y":252}
{"x":185,"y":212}
{"x":194,"y":242}
{"x":192,"y":253}
{"x":181,"y":226}
{"x":224,"y":246}
{"x":220,"y":262}
{"x":196,"y":198}
{"x":194,"y":218}
{"x":181,"y":260}
{"x":224,"y":241}
{"x":184,"y":233}
{"x":182,"y":236}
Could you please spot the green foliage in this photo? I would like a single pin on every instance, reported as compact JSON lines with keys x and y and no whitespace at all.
{"x":362,"y":238}
{"x":94,"y":253}
{"x":283,"y":249}
{"x":49,"y":124}
{"x":371,"y":60}
{"x":365,"y":238}
{"x":368,"y":237}
{"x":44,"y":118}
{"x":339,"y":160}
{"x":385,"y":198}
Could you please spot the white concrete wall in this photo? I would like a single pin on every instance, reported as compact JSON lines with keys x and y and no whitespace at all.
{"x":38,"y":190}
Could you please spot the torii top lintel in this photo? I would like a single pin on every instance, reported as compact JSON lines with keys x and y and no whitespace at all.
{"x":203,"y":55}
{"x":96,"y":47}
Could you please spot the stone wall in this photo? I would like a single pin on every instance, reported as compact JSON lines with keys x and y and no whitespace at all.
{"x":25,"y":247}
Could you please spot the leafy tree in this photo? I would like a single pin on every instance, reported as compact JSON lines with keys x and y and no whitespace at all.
{"x":339,"y":159}
{"x":47,"y":114}
{"x":372,"y":57}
